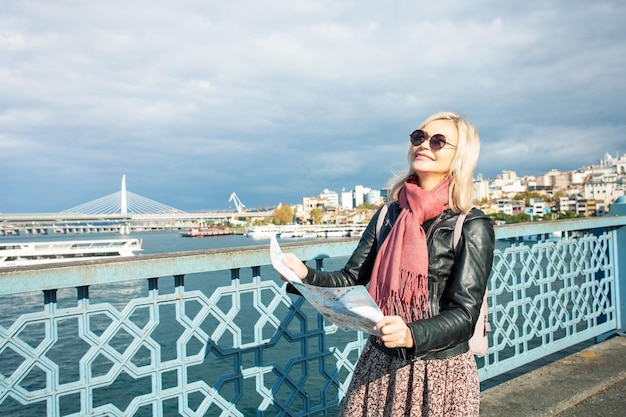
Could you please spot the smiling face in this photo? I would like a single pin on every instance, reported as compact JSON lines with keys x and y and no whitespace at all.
{"x":429,"y":165}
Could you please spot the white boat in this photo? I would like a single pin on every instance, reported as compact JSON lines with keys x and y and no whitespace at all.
{"x":264,"y":232}
{"x":336,"y":233}
{"x":279,"y":231}
{"x":297,"y":234}
{"x":35,"y":253}
{"x":206,"y":231}
{"x":305,"y":231}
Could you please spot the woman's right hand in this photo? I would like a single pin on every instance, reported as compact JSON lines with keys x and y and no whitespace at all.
{"x":292,"y":262}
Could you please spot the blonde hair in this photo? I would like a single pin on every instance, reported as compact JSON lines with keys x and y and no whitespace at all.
{"x":462,"y":167}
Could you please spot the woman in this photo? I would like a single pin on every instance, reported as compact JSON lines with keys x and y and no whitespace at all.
{"x":429,"y":292}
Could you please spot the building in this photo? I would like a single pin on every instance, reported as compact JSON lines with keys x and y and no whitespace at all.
{"x":359,"y":195}
{"x":310,"y":203}
{"x":555,"y":180}
{"x":331,"y":196}
{"x":481,"y":189}
{"x":374,"y":197}
{"x":576,"y":205}
{"x":513,"y":188}
{"x":537,"y":207}
{"x":347,"y":200}
{"x":510,"y":207}
{"x":604,"y":188}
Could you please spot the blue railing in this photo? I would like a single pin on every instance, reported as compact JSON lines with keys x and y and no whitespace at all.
{"x":214,"y":333}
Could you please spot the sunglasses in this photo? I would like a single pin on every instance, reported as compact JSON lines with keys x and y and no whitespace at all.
{"x":437,"y":141}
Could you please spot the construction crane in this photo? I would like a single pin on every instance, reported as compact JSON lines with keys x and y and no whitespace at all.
{"x":238,"y":204}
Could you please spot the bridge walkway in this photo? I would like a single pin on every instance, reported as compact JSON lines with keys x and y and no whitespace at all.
{"x":590,"y":382}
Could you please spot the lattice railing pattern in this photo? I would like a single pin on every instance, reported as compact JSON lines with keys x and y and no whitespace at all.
{"x":244,"y":345}
{"x":547,"y":295}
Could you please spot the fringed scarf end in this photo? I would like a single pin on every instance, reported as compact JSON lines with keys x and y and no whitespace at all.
{"x":409,"y":301}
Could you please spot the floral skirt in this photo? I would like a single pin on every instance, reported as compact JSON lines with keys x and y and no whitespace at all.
{"x":386,"y":386}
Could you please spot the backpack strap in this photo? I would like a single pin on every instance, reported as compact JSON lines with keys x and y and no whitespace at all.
{"x":458,"y":230}
{"x":381,"y":219}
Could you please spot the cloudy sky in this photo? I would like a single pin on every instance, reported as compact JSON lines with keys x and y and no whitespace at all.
{"x":274,"y":100}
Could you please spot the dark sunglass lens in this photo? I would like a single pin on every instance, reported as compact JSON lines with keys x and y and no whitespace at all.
{"x":418,"y":137}
{"x":437,"y":142}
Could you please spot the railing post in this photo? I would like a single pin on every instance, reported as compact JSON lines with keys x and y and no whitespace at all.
{"x":619,"y":208}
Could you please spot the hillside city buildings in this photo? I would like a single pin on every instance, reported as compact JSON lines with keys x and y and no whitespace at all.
{"x":587,"y":191}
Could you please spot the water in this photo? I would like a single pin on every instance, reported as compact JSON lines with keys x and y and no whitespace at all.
{"x":164,"y":242}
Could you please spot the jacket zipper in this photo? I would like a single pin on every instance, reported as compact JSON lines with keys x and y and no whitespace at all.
{"x":433,"y":305}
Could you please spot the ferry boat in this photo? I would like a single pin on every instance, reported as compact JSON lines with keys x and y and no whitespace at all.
{"x":283,"y":232}
{"x":34,"y":253}
{"x":305,"y":231}
{"x":263,"y":232}
{"x":206,"y":231}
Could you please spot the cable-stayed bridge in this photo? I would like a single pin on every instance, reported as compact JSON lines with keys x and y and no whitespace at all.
{"x":123,"y":202}
{"x":122,"y":211}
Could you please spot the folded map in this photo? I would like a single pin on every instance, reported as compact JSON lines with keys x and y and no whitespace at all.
{"x":349,"y":308}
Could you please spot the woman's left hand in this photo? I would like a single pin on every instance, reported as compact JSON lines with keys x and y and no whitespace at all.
{"x":395,"y":332}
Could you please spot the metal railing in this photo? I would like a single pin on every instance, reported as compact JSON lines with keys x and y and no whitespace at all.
{"x":214,"y":333}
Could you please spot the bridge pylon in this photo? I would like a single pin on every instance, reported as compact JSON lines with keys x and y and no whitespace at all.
{"x":123,"y":202}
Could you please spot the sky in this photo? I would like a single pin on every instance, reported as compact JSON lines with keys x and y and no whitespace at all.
{"x":193,"y":100}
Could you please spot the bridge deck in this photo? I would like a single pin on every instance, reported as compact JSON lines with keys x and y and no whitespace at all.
{"x":585,"y":383}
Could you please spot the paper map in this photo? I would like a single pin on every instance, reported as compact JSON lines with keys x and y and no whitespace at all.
{"x":349,"y":308}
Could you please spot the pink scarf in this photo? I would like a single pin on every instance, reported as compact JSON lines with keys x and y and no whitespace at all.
{"x":399,"y":282}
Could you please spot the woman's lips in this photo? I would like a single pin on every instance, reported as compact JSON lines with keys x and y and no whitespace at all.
{"x":423,"y":155}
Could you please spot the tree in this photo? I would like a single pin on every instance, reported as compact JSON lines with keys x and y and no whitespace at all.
{"x":316,"y":215}
{"x":569,"y":215}
{"x":368,"y":206}
{"x":507,"y":218}
{"x":527,"y":195}
{"x":283,"y":214}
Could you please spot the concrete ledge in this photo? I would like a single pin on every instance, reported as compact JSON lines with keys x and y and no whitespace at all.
{"x":561,"y":385}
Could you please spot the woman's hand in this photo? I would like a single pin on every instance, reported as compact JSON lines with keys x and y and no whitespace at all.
{"x":395,"y":332}
{"x":292,"y":262}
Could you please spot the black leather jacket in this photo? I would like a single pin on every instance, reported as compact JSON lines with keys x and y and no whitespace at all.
{"x":456,"y":281}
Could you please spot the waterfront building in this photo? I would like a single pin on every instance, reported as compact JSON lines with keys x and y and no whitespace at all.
{"x":620,"y":165}
{"x":481,"y":189}
{"x":604,"y":188}
{"x":347,"y":200}
{"x":514,"y":187}
{"x":576,"y":205}
{"x":510,"y":207}
{"x":610,"y":164}
{"x":508,"y":176}
{"x":310,"y":203}
{"x":384,"y":195}
{"x":537,"y":207}
{"x":373,"y":197}
{"x":331,"y":196}
{"x":579,"y":176}
{"x":555,"y":180}
{"x":359,"y":195}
